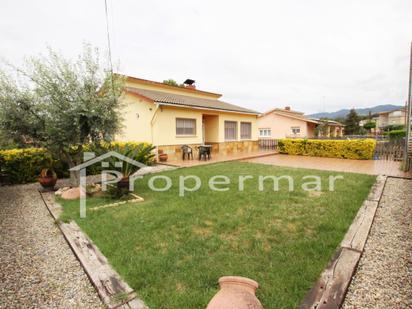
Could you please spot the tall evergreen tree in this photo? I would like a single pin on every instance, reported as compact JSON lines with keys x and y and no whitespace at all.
{"x":352,"y":123}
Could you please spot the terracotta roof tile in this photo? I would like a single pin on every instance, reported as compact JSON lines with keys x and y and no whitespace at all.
{"x":189,"y":101}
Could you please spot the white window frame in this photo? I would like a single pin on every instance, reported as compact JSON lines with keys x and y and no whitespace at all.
{"x":293,"y":130}
{"x":265,"y":132}
{"x":185,"y":127}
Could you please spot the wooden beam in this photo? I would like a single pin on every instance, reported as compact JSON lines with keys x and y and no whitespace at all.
{"x":113,"y":291}
{"x":330,"y":289}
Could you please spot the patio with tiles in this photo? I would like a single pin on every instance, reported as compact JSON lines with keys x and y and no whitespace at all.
{"x":371,"y":167}
{"x":221,"y":157}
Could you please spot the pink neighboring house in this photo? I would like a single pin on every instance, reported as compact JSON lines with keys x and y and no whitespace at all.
{"x":281,"y":123}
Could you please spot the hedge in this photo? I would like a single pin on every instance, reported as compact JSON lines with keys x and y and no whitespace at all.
{"x":397,"y":134}
{"x":346,"y":149}
{"x":24,"y":165}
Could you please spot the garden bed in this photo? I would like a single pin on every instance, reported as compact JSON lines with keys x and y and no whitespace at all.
{"x":172,"y":249}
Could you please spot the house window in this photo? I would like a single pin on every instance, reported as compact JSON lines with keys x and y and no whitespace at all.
{"x":230,"y":130}
{"x":265,"y":132}
{"x":185,"y":126}
{"x":245,"y":130}
{"x":295,"y":130}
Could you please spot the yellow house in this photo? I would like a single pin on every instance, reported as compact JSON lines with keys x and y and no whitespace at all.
{"x":171,"y":116}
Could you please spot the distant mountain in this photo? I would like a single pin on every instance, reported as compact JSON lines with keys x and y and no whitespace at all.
{"x":361,"y":111}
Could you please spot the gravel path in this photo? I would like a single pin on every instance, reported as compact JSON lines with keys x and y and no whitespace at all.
{"x":37,"y":267}
{"x":384,"y":275}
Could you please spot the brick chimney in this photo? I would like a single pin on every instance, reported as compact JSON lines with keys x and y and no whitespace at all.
{"x":287,"y":108}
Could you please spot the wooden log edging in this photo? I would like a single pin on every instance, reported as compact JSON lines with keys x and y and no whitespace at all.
{"x":112,"y":290}
{"x":330,"y":290}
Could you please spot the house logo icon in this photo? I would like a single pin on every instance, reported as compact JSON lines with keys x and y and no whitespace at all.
{"x":90,"y":159}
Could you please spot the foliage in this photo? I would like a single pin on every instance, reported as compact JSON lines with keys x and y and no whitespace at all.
{"x":25,"y":165}
{"x":8,"y":143}
{"x":347,"y":149}
{"x":352,"y":123}
{"x":172,"y":82}
{"x":60,"y":105}
{"x":394,"y":127}
{"x":397,"y":134}
{"x":370,"y":125}
{"x":174,"y":249}
{"x":140,"y":152}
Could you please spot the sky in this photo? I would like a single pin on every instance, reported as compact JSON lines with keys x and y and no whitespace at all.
{"x":315,"y":56}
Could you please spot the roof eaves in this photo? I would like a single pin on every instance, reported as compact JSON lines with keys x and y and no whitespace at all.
{"x":296,"y":117}
{"x":134,"y":93}
{"x":208,"y":108}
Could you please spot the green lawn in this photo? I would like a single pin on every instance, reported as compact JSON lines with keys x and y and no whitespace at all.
{"x":172,"y":249}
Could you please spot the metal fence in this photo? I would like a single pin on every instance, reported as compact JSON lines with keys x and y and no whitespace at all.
{"x":349,"y":137}
{"x":268,"y":143}
{"x":390,"y":150}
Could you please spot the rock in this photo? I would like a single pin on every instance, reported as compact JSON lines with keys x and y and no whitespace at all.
{"x":71,"y":194}
{"x":61,"y":190}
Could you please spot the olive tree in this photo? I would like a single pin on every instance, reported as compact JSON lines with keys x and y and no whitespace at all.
{"x":61,"y":104}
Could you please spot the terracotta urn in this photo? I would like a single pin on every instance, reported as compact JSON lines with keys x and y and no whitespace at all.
{"x":236,"y":293}
{"x":162,"y":156}
{"x":47,"y":179}
{"x":123,"y":183}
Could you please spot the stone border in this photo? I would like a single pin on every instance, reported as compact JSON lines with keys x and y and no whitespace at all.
{"x":330,"y":289}
{"x":135,"y":199}
{"x":113,"y":291}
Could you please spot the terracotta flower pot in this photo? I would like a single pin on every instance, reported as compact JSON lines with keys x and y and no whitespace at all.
{"x":163,"y":157}
{"x":47,"y":179}
{"x":236,"y":293}
{"x":123,"y":183}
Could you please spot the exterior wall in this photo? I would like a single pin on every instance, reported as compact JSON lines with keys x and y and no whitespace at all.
{"x":235,"y":147}
{"x":164,"y":126}
{"x":137,"y":114}
{"x":175,"y":152}
{"x":144,"y":122}
{"x":391,"y":118}
{"x":311,"y":130}
{"x":281,"y":126}
{"x":211,"y":128}
{"x":238,"y":118}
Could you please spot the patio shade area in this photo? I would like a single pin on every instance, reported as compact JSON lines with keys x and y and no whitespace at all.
{"x":221,"y":157}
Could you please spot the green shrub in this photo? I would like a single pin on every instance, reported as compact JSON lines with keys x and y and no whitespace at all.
{"x":397,"y":134}
{"x":346,"y":149}
{"x":24,"y":165}
{"x":394,"y":127}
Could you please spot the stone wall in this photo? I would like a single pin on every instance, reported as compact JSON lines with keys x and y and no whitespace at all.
{"x":175,"y":152}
